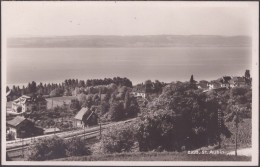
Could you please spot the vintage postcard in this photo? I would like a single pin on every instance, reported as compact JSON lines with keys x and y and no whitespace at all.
{"x":156,"y":83}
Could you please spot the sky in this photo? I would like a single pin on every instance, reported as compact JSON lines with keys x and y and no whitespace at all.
{"x":125,"y":18}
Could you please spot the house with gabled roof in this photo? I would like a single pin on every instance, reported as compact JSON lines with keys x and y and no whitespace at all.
{"x":25,"y":103}
{"x":85,"y":115}
{"x":21,"y":127}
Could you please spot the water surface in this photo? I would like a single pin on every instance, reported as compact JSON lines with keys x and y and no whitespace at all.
{"x":138,"y":64}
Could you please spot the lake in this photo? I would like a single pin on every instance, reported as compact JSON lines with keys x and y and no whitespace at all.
{"x":137,"y":64}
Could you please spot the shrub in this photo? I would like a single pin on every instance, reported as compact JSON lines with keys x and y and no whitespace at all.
{"x":46,"y":149}
{"x":76,"y":147}
{"x":118,"y":139}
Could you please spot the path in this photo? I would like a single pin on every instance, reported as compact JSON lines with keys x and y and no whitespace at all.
{"x":244,"y":151}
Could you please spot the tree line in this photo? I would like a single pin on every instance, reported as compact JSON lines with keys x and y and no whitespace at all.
{"x":65,"y":88}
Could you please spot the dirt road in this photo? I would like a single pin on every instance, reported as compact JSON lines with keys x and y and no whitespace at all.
{"x":244,"y":151}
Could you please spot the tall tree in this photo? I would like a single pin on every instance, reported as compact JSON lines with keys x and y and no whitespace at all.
{"x":193,"y":82}
{"x":32,"y":87}
{"x":148,"y":86}
{"x":247,"y":77}
{"x":191,"y":79}
{"x":247,"y":74}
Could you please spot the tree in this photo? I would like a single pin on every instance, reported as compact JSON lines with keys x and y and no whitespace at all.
{"x":118,"y":139}
{"x":75,"y":105}
{"x":116,"y":111}
{"x":247,"y":77}
{"x":193,"y":82}
{"x":195,"y":108}
{"x":158,"y":130}
{"x":82,"y":98}
{"x":191,"y":79}
{"x":81,"y":83}
{"x":104,"y":107}
{"x":148,"y":86}
{"x":247,"y":74}
{"x":32,"y":87}
{"x":55,"y":92}
{"x":158,"y":86}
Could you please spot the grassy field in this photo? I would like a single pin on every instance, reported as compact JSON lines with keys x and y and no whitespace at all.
{"x":157,"y":156}
{"x":58,"y":101}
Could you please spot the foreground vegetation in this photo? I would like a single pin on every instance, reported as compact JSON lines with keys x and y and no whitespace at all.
{"x":57,"y":147}
{"x":156,"y":156}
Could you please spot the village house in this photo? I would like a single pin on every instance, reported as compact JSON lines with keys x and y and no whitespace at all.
{"x":83,"y":114}
{"x":214,"y":85}
{"x":237,"y":82}
{"x":21,"y":127}
{"x":139,"y":94}
{"x":25,"y":103}
{"x":202,"y":84}
{"x":139,"y":91}
{"x":225,"y":82}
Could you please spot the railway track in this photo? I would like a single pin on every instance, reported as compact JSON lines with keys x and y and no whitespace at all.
{"x":87,"y":136}
{"x":16,"y":150}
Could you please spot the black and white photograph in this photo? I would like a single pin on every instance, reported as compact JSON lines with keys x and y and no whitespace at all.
{"x":159,"y":83}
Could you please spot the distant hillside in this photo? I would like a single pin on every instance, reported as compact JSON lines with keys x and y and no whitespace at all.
{"x":131,"y":41}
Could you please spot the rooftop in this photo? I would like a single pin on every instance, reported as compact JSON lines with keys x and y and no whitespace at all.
{"x":81,"y":113}
{"x":16,"y":121}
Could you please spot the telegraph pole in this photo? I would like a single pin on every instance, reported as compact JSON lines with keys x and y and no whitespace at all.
{"x":84,"y":132}
{"x":219,"y":127}
{"x":236,"y":122}
{"x":100,"y":128}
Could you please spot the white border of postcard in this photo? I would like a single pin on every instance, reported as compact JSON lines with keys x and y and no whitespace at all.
{"x":254,"y":5}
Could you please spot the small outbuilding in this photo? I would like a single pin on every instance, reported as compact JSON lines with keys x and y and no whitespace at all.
{"x":87,"y":116}
{"x":21,"y":127}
